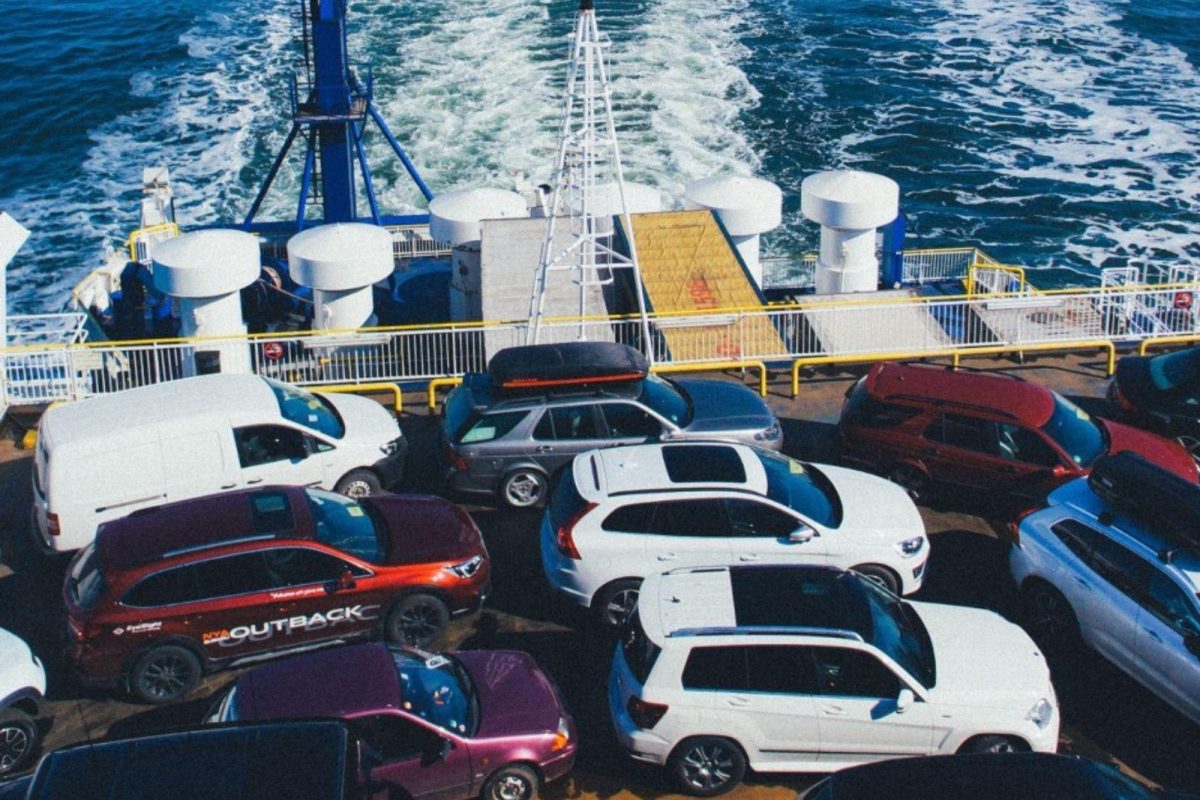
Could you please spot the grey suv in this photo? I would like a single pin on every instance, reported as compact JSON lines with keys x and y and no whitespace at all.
{"x":512,"y":441}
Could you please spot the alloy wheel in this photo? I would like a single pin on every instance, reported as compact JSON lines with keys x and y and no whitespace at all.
{"x":707,"y":767}
{"x":14,"y":744}
{"x":167,"y":675}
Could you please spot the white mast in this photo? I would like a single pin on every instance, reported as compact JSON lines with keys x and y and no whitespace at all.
{"x":587,"y":148}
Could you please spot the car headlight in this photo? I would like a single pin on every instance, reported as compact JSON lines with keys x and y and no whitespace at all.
{"x":562,"y":736}
{"x":1041,"y":713}
{"x":770,"y":434}
{"x":910,"y":547}
{"x":467,"y":568}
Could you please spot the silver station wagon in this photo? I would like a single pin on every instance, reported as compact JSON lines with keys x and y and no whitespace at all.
{"x":510,"y":430}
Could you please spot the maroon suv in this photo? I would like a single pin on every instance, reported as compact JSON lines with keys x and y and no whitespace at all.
{"x":170,"y":592}
{"x":990,"y":432}
{"x":484,"y":723}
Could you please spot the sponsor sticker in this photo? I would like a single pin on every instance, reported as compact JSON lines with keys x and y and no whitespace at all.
{"x":139,"y":627}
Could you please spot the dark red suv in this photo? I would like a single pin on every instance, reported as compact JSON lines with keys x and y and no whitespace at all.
{"x":994,"y":433}
{"x":170,"y":592}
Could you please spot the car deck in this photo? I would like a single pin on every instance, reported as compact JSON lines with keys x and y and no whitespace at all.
{"x":1106,"y":715}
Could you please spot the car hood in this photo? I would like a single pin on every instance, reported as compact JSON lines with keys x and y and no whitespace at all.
{"x":366,"y":421}
{"x":515,"y":697}
{"x":1160,"y":450}
{"x":983,"y":659}
{"x":725,"y":406}
{"x":873,"y":505}
{"x":422,"y":529}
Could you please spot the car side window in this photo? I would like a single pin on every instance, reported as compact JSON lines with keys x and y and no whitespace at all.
{"x":565,"y":423}
{"x":627,"y":421}
{"x":266,"y":444}
{"x":716,"y":669}
{"x":690,"y":518}
{"x":781,"y":669}
{"x":1078,"y":538}
{"x":853,"y":673}
{"x":296,"y":566}
{"x":1170,"y":604}
{"x":233,"y":575}
{"x":1121,"y":568}
{"x":749,"y":518}
{"x":395,"y":738}
{"x":635,"y":518}
{"x":492,"y":426}
{"x":1016,"y":443}
{"x":165,"y":588}
{"x":968,"y":433}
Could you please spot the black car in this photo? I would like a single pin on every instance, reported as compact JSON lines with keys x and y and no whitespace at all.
{"x":1161,"y":393}
{"x":1007,"y":776}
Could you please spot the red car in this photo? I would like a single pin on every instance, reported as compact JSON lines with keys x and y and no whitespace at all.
{"x":171,"y":592}
{"x":993,"y":433}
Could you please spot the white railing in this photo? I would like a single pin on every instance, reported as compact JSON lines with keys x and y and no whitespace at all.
{"x":852,"y":329}
{"x":919,"y":266}
{"x":408,"y":242}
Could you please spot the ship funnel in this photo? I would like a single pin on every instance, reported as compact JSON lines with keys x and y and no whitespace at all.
{"x":746,"y":207}
{"x":456,"y":217}
{"x":340,"y":262}
{"x":849,"y":205}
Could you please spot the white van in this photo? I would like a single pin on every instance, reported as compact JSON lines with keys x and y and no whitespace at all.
{"x":108,"y":456}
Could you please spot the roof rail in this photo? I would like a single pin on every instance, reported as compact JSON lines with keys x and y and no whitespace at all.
{"x":769,"y":630}
{"x":196,"y":548}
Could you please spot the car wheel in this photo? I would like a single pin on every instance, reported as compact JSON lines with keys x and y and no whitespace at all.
{"x":416,"y":620}
{"x":359,"y":483}
{"x":1049,"y":615}
{"x":514,"y":782}
{"x":164,"y":674}
{"x":881,"y":575}
{"x":910,"y":479}
{"x":524,"y":488}
{"x":615,"y":602}
{"x":991,"y":743}
{"x":18,"y":740}
{"x":706,"y":766}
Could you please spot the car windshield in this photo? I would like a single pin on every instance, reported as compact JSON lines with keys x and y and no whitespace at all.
{"x":802,"y":488}
{"x":898,"y":631}
{"x":307,"y":409}
{"x":346,"y":525}
{"x":1173,"y":371}
{"x":667,"y":399}
{"x":437,"y":688}
{"x":1080,"y":436}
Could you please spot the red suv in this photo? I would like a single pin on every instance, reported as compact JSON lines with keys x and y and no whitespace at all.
{"x":170,"y":592}
{"x":991,"y":432}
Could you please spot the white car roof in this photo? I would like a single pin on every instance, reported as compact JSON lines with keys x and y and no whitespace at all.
{"x":237,"y":397}
{"x":642,"y":468}
{"x":695,"y":598}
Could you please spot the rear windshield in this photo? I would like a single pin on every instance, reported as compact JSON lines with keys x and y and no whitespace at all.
{"x":802,"y":488}
{"x":307,"y":409}
{"x":1175,"y":370}
{"x":1076,"y":432}
{"x":567,"y":501}
{"x":863,"y":410}
{"x":346,"y":525}
{"x":457,"y":412}
{"x":640,"y":653}
{"x":667,"y":400}
{"x":86,"y":583}
{"x":437,"y":689}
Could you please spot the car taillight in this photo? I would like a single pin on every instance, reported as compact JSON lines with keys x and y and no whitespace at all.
{"x":566,"y":538}
{"x":75,"y":629}
{"x":52,"y":526}
{"x":645,"y":715}
{"x":1121,"y":401}
{"x":456,"y":461}
{"x":1014,"y":527}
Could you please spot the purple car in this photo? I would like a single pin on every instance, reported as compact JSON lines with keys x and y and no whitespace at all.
{"x":484,"y":723}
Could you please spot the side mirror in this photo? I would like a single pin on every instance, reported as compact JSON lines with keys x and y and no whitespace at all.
{"x":346,"y":581}
{"x":438,"y":751}
{"x":904,"y":700}
{"x":802,"y":534}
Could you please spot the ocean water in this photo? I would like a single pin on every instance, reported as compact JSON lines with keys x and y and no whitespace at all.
{"x":1059,"y":134}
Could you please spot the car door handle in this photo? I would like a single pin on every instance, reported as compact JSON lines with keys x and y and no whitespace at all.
{"x":544,"y":448}
{"x":228,"y":485}
{"x":1152,"y":634}
{"x":737,"y":702}
{"x":254,"y":480}
{"x":667,"y":557}
{"x":833,"y":711}
{"x":749,"y":557}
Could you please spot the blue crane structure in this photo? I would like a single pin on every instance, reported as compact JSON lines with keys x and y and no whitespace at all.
{"x":331,"y":108}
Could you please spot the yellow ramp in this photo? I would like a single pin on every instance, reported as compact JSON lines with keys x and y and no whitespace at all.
{"x":687,"y":264}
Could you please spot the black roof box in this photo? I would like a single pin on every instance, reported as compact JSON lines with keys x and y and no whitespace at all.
{"x":542,"y":366}
{"x":1158,"y":498}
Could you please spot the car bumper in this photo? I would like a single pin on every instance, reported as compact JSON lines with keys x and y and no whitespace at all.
{"x":475,"y":604}
{"x":560,"y":765}
{"x":561,"y":572}
{"x":638,"y":744}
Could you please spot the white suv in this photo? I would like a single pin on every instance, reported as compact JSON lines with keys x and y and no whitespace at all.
{"x":813,"y":669}
{"x":22,"y":684}
{"x":1121,"y":571}
{"x":620,"y":514}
